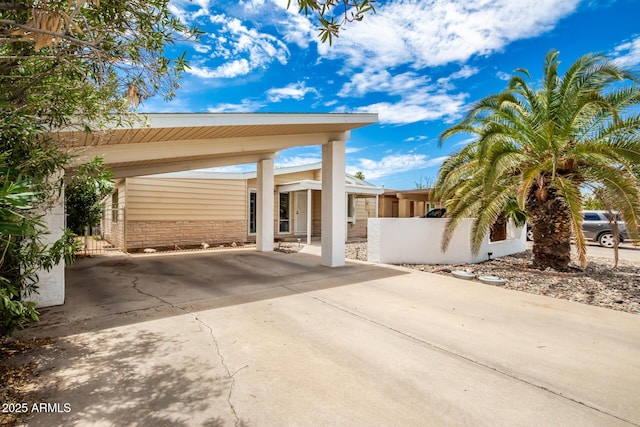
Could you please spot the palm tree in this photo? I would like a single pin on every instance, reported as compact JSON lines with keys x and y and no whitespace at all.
{"x":541,"y":148}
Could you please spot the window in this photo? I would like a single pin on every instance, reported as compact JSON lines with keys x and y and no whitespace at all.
{"x":114,"y":206}
{"x":592,"y":217}
{"x":351,"y":208}
{"x":253,"y":211}
{"x":283,"y":217}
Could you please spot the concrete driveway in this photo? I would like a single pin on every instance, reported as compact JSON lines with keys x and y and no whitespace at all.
{"x":271,"y":339}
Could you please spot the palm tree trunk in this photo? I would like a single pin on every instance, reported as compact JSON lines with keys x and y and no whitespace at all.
{"x":550,"y":220}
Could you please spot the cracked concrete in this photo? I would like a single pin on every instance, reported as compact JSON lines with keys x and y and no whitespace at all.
{"x":300,"y":344}
{"x":231,"y":376}
{"x":226,"y":368}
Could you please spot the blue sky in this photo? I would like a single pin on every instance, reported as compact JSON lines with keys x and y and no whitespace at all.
{"x":419,"y":64}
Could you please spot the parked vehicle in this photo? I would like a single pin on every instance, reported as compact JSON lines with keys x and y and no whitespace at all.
{"x":598,"y":227}
{"x":435,"y":213}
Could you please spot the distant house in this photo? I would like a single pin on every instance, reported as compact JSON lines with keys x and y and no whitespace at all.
{"x":190,"y":208}
{"x":407,"y":203}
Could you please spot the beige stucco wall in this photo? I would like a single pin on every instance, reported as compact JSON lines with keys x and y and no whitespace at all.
{"x":386,"y":206}
{"x":392,"y":207}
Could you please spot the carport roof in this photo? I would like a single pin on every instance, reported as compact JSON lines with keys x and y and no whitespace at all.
{"x":168,"y":142}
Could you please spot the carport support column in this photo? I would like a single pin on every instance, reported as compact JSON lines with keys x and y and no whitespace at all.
{"x":265,"y":208}
{"x":334,"y":216}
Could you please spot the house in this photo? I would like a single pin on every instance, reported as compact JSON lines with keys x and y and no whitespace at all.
{"x":407,"y":203}
{"x":187,"y":209}
{"x":171,"y":142}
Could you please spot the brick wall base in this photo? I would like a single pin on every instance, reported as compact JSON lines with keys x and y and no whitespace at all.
{"x":149,"y":234}
{"x":113,"y":233}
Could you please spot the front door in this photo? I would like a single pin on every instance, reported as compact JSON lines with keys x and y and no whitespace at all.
{"x":301,"y":212}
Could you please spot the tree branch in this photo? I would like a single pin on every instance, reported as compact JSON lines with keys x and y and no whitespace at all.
{"x":13,"y":6}
{"x":20,"y":93}
{"x":67,"y":37}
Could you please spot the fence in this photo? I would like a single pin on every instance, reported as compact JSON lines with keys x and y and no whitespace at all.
{"x":417,"y":241}
{"x":101,"y":238}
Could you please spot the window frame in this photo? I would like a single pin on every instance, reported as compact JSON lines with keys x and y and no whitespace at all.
{"x":286,"y":220}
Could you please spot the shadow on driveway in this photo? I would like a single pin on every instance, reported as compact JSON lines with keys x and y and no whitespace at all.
{"x":106,"y":292}
{"x":103,"y":382}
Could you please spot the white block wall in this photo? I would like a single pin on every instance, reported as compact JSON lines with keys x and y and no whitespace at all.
{"x":51,"y":283}
{"x":417,"y":241}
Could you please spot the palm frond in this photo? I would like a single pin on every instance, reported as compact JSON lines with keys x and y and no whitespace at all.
{"x":578,"y":129}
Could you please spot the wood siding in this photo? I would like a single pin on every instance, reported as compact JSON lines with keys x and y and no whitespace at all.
{"x":112,"y":223}
{"x":186,"y":199}
{"x":365,"y":209}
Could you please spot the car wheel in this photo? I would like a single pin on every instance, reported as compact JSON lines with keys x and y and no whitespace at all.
{"x":606,"y":239}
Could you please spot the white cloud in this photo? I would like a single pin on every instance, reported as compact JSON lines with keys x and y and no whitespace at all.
{"x":159,"y":105}
{"x":438,"y":32}
{"x":392,"y":164}
{"x":295,"y":27}
{"x":201,"y":48}
{"x":189,"y":10}
{"x":295,"y":91}
{"x":246,"y":106}
{"x":628,"y":54}
{"x":239,"y":67}
{"x":419,"y":106}
{"x":352,"y":150}
{"x":297,"y":161}
{"x":464,"y":73}
{"x":298,"y":29}
{"x":382,"y":81}
{"x":416,"y":138}
{"x":232,"y":169}
{"x":420,"y":99}
{"x":251,"y":4}
{"x":503,"y":76}
{"x":244,"y":50}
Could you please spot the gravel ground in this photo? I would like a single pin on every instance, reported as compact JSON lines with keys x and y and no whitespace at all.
{"x":598,"y":284}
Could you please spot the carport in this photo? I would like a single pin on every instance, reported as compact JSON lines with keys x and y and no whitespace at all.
{"x":160,"y":143}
